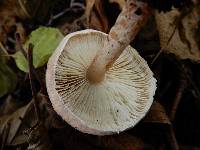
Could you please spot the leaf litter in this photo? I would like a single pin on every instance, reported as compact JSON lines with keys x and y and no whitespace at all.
{"x":18,"y":124}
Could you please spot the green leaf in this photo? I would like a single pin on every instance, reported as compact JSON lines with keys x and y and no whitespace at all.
{"x":45,"y":41}
{"x":21,"y":61}
{"x":8,"y":79}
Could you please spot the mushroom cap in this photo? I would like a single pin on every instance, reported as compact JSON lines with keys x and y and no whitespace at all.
{"x":117,"y":103}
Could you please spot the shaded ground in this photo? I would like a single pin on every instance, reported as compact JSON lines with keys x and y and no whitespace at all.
{"x":172,"y":123}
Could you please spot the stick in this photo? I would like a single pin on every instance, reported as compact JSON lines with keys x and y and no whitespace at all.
{"x":19,"y":44}
{"x":178,"y":97}
{"x":34,"y":94}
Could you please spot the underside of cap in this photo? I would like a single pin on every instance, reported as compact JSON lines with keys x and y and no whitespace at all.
{"x":117,"y":103}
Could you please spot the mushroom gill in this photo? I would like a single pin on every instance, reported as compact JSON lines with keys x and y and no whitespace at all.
{"x":115,"y":104}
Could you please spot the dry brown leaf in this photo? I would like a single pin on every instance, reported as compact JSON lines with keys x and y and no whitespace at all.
{"x":14,"y":122}
{"x":121,"y":142}
{"x":38,"y":138}
{"x":120,"y":2}
{"x":98,"y":19}
{"x":157,"y":114}
{"x":49,"y":116}
{"x":6,"y":24}
{"x":184,"y":42}
{"x":14,"y":8}
{"x":27,"y":113}
{"x":94,"y":17}
{"x":88,"y":9}
{"x":21,"y":31}
{"x":8,"y":106}
{"x":9,"y":11}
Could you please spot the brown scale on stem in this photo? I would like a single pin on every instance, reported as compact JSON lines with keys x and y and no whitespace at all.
{"x":133,"y":16}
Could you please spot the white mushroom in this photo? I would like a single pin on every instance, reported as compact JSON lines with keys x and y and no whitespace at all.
{"x":113,"y":105}
{"x":99,"y":84}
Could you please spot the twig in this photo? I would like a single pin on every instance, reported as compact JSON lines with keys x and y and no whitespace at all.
{"x":170,"y":141}
{"x":11,"y":40}
{"x":178,"y":97}
{"x":3,"y":48}
{"x":31,"y":68}
{"x":23,"y":8}
{"x":60,"y":14}
{"x":66,"y":10}
{"x":19,"y":44}
{"x":174,"y":143}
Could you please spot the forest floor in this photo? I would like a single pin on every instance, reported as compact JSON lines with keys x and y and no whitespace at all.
{"x":169,"y":42}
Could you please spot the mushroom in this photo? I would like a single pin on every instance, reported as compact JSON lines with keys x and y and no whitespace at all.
{"x":97,"y":82}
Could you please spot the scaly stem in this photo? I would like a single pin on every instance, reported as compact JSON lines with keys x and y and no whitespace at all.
{"x":133,"y":16}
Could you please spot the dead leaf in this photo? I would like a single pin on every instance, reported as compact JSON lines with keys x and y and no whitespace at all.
{"x":121,"y":142}
{"x":8,"y":106}
{"x":13,"y":8}
{"x":183,"y":29}
{"x":157,"y":114}
{"x":88,"y":9}
{"x":98,"y":19}
{"x":94,"y":17}
{"x":49,"y":116}
{"x":28,"y":119}
{"x":21,"y":31}
{"x":8,"y":21}
{"x":38,"y":138}
{"x":9,"y":12}
{"x":14,"y":122}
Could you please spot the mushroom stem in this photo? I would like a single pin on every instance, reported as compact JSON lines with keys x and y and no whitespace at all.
{"x":133,"y":16}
